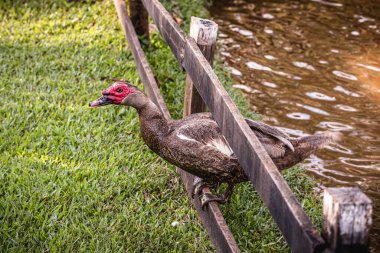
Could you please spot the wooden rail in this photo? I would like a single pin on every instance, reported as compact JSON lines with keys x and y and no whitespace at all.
{"x":294,"y":224}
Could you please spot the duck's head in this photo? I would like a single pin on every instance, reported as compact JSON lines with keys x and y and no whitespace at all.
{"x":119,"y":93}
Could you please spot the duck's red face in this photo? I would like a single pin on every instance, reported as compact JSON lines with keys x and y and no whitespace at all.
{"x":114,"y":94}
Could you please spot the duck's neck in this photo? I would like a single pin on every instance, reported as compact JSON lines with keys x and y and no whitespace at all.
{"x":153,"y":124}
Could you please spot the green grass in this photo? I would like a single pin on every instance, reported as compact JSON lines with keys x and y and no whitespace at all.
{"x":80,"y":180}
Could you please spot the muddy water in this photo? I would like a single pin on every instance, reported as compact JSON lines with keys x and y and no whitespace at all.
{"x":311,"y":66}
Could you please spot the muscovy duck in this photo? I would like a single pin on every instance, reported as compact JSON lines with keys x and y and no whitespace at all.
{"x":197,"y":145}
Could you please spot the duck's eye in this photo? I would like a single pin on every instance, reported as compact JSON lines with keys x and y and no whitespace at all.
{"x":119,"y":90}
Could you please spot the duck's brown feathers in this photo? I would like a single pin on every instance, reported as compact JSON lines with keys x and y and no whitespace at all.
{"x":196,"y":145}
{"x":274,"y":141}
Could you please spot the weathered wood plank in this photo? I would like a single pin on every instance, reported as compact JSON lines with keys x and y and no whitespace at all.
{"x":168,"y":28}
{"x":272,"y":188}
{"x":139,"y":18}
{"x":142,"y":64}
{"x":211,"y":218}
{"x":347,"y":219}
{"x":205,"y":33}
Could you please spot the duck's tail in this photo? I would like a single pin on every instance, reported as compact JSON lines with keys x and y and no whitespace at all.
{"x":318,"y":141}
{"x":304,"y":147}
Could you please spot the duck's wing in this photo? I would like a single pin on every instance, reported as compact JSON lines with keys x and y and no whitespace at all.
{"x":203,"y":130}
{"x":273,"y":140}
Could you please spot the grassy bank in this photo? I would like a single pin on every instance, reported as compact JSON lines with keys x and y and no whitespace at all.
{"x":81,"y":180}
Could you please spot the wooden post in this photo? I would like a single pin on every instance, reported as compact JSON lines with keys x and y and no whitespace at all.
{"x":204,"y":32}
{"x":139,"y":18}
{"x":347,"y":219}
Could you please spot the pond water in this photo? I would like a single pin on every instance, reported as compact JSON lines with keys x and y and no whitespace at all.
{"x":311,"y":66}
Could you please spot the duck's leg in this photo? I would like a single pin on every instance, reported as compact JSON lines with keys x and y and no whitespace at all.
{"x":208,"y":197}
{"x":205,"y":196}
{"x":228,"y":192}
{"x":198,"y":185}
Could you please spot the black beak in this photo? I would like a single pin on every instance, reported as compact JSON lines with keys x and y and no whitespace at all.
{"x":104,"y":100}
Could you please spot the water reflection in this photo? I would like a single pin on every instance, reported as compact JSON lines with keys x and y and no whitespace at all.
{"x":314,"y":109}
{"x":329,"y":3}
{"x":298,"y":115}
{"x":369,"y":67}
{"x":345,"y":91}
{"x":340,"y":149}
{"x":269,"y":84}
{"x":303,"y":65}
{"x":346,"y":108}
{"x":345,"y":75}
{"x":320,"y":96}
{"x":335,"y":126}
{"x":311,"y":66}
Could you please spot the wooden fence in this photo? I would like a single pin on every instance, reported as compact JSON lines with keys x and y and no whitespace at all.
{"x":347,"y":211}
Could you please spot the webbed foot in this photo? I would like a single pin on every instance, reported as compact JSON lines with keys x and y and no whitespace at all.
{"x":207,"y":197}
